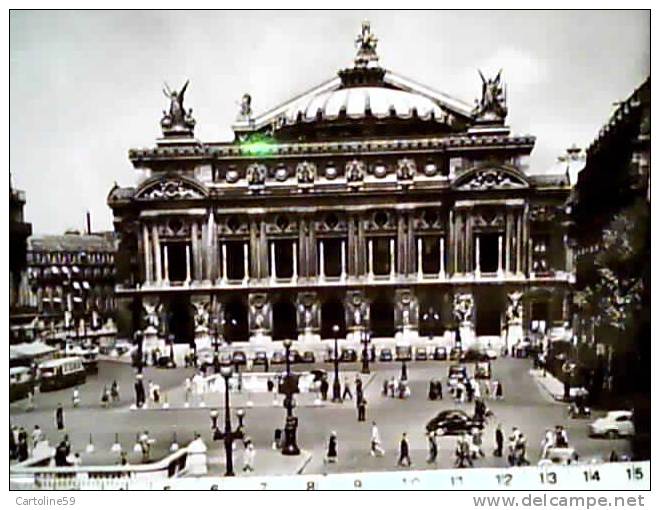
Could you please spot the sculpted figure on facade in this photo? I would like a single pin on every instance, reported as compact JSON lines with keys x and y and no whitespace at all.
{"x":245,"y":112}
{"x":406,"y":169}
{"x":492,"y":106}
{"x":355,"y":170}
{"x":259,"y":311}
{"x":306,"y":172}
{"x":514,"y":310}
{"x":463,"y":307}
{"x":201,"y":314}
{"x":152,"y":312}
{"x":307,"y":311}
{"x":366,"y":44}
{"x":177,"y":116}
{"x":256,"y":174}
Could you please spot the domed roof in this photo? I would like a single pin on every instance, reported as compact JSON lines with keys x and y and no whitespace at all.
{"x":360,"y":102}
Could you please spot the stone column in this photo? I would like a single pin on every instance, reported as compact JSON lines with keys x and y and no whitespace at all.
{"x":166,"y":278}
{"x":451,"y":269}
{"x":470,"y":255}
{"x":321,"y":261}
{"x":477,"y":254}
{"x":508,"y":235}
{"x":352,"y":246}
{"x":420,"y":269}
{"x":343,"y":260}
{"x":224,"y":262}
{"x":302,"y":246}
{"x":361,"y":248}
{"x":499,"y":256}
{"x":273,"y":265}
{"x":158,"y":277}
{"x":311,"y":240}
{"x":263,"y":249}
{"x":526,"y":242}
{"x":459,"y":244}
{"x":194,"y":237}
{"x":401,"y":243}
{"x":146,"y":247}
{"x":410,"y":244}
{"x":246,"y":264}
{"x":371,"y":258}
{"x":392,"y":260}
{"x":187,"y":265}
{"x":295,"y":260}
{"x":210,"y":250}
{"x":519,"y":237}
{"x":254,"y":251}
{"x":441,"y":274}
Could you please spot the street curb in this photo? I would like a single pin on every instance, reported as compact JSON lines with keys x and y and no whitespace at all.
{"x":552,"y":395}
{"x":307,"y":460}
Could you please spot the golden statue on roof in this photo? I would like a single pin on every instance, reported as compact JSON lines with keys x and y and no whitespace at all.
{"x":366,"y":43}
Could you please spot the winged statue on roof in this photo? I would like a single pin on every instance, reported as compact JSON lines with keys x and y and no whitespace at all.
{"x":177,"y":116}
{"x":492,"y":105}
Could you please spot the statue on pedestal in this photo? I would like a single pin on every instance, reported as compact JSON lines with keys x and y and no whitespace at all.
{"x":514,"y":309}
{"x":463,"y":307}
{"x":177,"y":119}
{"x":492,"y":106}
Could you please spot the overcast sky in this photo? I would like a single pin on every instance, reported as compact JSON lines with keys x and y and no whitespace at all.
{"x":86,"y":86}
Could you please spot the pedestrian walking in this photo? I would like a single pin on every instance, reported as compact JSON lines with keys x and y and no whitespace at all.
{"x":331,"y":454}
{"x":114,"y":391}
{"x":277,"y":439}
{"x":499,"y":390}
{"x":359,"y":392}
{"x":347,"y":390}
{"x":59,"y":417}
{"x":37,"y":436}
{"x":270,"y":385}
{"x":463,"y":457}
{"x":499,"y":440}
{"x":392,"y":386}
{"x":386,"y":385}
{"x":22,"y":447}
{"x":362,"y":410}
{"x":547,"y":442}
{"x":324,"y":388}
{"x":156,"y":390}
{"x":469,"y":390}
{"x":438,"y":389}
{"x":249,"y":454}
{"x":433,"y":448}
{"x":29,"y":406}
{"x":561,"y":437}
{"x":476,"y":444}
{"x":139,"y":391}
{"x":75,"y":397}
{"x":404,"y":451}
{"x":376,"y":449}
{"x":13,"y":444}
{"x":105,"y":397}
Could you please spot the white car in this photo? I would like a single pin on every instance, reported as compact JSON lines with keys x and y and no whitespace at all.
{"x":614,"y":424}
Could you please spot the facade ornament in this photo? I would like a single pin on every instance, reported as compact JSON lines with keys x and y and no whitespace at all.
{"x":492,"y":106}
{"x":152,"y":313}
{"x":463,"y":307}
{"x":355,"y":171}
{"x":514,"y":310}
{"x":177,"y":121}
{"x":170,"y":189}
{"x":358,"y":309}
{"x":491,"y":178}
{"x":542,"y":213}
{"x":406,"y":169}
{"x":259,"y":311}
{"x":306,"y":172}
{"x":245,"y":112}
{"x":307,"y":311}
{"x":201,"y":314}
{"x":256,"y":175}
{"x":366,"y":43}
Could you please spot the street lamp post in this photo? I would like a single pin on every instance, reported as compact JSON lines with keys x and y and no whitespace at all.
{"x":365,"y":353}
{"x":216,"y":345}
{"x":336,"y":386}
{"x":228,"y":435}
{"x":289,"y":388}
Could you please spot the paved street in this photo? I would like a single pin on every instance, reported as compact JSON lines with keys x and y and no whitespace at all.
{"x":525,"y":405}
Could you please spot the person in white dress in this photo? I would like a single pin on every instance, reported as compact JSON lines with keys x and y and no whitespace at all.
{"x":376,"y":449}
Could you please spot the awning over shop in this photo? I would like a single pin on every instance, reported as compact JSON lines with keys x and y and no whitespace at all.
{"x":30,"y":350}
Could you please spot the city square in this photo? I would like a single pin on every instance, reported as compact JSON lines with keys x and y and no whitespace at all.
{"x":370,"y":275}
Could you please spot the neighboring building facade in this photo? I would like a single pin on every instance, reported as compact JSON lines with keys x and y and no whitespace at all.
{"x":19,"y":231}
{"x":72,"y":278}
{"x":371,"y":203}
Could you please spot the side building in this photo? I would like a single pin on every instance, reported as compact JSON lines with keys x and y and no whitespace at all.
{"x":19,"y":231}
{"x":370,"y":203}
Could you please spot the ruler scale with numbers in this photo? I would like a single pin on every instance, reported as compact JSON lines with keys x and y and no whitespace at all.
{"x":610,"y":476}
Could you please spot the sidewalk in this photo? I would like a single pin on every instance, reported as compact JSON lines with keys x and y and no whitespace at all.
{"x":267,"y":462}
{"x":552,"y":386}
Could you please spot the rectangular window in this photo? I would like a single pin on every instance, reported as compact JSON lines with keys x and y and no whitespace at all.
{"x":235,"y":260}
{"x":381,"y":255}
{"x":488,"y":252}
{"x":283,"y":258}
{"x":431,"y":255}
{"x":331,"y":257}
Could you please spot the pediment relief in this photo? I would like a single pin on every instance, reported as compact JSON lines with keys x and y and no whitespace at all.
{"x":487,"y":178}
{"x":171,"y":188}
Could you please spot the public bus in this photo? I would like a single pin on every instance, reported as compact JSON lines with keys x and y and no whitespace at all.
{"x":21,"y":383}
{"x":89,"y":355}
{"x":61,"y":373}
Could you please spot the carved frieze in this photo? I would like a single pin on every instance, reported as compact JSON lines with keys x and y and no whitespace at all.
{"x":491,"y":178}
{"x":355,"y":171}
{"x":172,"y":188}
{"x":256,"y":174}
{"x":406,"y":169}
{"x":306,"y":173}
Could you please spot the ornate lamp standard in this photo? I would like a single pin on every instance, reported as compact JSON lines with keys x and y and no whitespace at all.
{"x":216,"y":344}
{"x":228,"y":435}
{"x":365,"y":352}
{"x":288,"y":388}
{"x":139,"y":352}
{"x":336,"y":386}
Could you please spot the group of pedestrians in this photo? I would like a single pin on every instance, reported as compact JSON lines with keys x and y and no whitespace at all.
{"x":467,"y":390}
{"x":396,"y":388}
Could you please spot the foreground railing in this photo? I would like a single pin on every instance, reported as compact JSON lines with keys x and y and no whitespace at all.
{"x":38,"y":474}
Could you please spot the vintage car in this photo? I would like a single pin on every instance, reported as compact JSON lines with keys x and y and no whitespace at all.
{"x":482,"y":370}
{"x":452,"y":422}
{"x":613,"y":425}
{"x":239,"y":358}
{"x":440,"y":353}
{"x":308,"y":357}
{"x":421,"y":354}
{"x":348,"y":355}
{"x":260,"y":358}
{"x":385,"y":354}
{"x":403,"y":353}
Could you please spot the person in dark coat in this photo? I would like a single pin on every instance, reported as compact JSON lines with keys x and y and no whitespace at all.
{"x":499,"y":440}
{"x":13,"y":446}
{"x":22,"y":448}
{"x":331,"y":454}
{"x":386,"y":386}
{"x":359,"y":393}
{"x":432,"y":390}
{"x":469,"y":390}
{"x":404,"y":452}
{"x":59,"y":417}
{"x":140,"y":395}
{"x":270,"y":385}
{"x":499,"y":391}
{"x":324,"y":388}
{"x":433,"y":448}
{"x":61,"y":455}
{"x":438,"y":389}
{"x":362,"y":409}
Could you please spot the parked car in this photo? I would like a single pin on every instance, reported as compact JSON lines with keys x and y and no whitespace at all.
{"x":421,"y":354}
{"x":455,"y":354}
{"x":482,"y":370}
{"x":348,"y":355}
{"x":226,"y":358}
{"x":385,"y":354}
{"x":330,"y":355}
{"x":403,"y":353}
{"x":121,"y":347}
{"x":560,"y":456}
{"x":457,"y":373}
{"x":474,"y":355}
{"x":260,"y":358}
{"x":239,"y":358}
{"x":614,"y":424}
{"x":453,"y":422}
{"x":440,"y":354}
{"x":308,"y":357}
{"x":294,"y":356}
{"x":278,"y":358}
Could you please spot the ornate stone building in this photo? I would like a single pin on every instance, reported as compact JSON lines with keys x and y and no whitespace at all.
{"x":19,"y":231}
{"x":369,"y":202}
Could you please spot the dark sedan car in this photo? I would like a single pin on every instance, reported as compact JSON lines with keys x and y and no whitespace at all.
{"x":453,"y":422}
{"x":278,"y":358}
{"x":239,"y":358}
{"x":308,"y":357}
{"x":348,"y":355}
{"x":440,"y":354}
{"x":386,"y":354}
{"x":421,"y":354}
{"x":260,"y":358}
